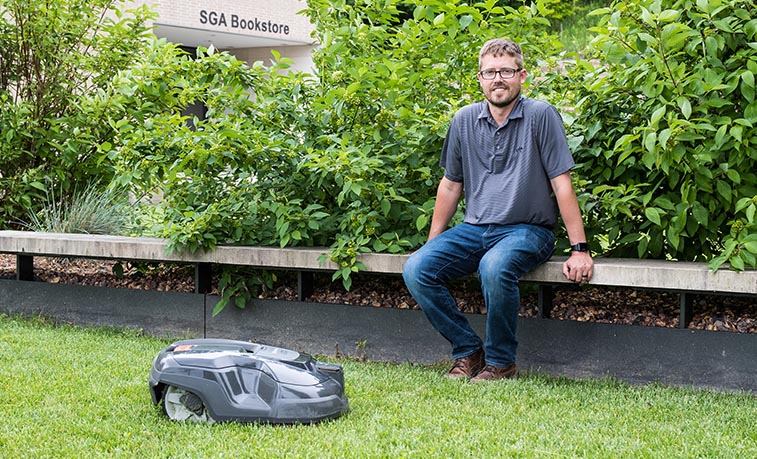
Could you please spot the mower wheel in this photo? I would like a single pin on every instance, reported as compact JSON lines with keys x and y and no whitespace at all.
{"x":182,"y":405}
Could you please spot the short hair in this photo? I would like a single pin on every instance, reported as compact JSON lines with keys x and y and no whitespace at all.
{"x":499,"y":47}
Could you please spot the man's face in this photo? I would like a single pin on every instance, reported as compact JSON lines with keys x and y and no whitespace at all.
{"x":501,"y":92}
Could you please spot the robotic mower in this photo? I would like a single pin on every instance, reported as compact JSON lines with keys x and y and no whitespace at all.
{"x":217,"y":380}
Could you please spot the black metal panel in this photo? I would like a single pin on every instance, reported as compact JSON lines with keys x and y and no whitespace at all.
{"x":165,"y":314}
{"x":203,"y":278}
{"x":305,"y":285}
{"x":640,"y":355}
{"x":633,"y":354}
{"x":546,"y":296}
{"x":24,"y":267}
{"x":687,"y":309}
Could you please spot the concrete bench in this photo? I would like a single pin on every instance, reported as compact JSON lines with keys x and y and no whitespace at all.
{"x":685,"y":278}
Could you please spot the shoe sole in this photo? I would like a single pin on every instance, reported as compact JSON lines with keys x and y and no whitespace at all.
{"x":513,"y":375}
{"x":462,"y":376}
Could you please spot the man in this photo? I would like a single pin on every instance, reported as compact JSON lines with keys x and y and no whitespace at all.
{"x":509,"y":158}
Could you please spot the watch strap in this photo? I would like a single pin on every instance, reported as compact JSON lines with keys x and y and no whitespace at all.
{"x":580,"y":247}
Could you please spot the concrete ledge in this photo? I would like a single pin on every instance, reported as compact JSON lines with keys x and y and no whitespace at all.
{"x":155,"y":249}
{"x":654,"y":274}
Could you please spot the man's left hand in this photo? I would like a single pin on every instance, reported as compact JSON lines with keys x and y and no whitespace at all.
{"x":579,"y":267}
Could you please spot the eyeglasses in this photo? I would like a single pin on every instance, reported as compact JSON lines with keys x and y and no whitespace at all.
{"x":505,"y":73}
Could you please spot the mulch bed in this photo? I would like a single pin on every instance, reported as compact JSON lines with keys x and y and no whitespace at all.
{"x":583,"y":304}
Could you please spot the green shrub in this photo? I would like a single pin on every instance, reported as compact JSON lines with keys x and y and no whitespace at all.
{"x":53,"y":56}
{"x":665,"y":130}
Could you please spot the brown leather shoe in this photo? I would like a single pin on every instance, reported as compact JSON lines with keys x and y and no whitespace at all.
{"x":492,"y":373}
{"x":468,"y":366}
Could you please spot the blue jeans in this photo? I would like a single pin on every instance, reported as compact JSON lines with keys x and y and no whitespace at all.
{"x":501,"y":254}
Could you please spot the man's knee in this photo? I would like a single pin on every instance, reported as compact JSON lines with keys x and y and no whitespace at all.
{"x":410,"y":270}
{"x":418,"y":269}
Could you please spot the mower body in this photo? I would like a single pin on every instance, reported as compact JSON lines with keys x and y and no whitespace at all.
{"x":227,"y":380}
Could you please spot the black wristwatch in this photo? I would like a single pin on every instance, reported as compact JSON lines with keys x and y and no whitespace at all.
{"x":580,"y":247}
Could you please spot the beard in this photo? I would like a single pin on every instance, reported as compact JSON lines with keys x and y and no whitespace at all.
{"x":508,"y":99}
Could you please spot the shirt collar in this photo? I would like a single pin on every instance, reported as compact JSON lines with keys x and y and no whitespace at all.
{"x":516,"y":113}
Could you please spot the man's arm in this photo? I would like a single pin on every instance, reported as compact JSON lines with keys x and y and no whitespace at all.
{"x":447,"y":198}
{"x":580,"y":266}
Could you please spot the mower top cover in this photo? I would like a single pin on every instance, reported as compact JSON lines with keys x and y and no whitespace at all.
{"x":226,"y":380}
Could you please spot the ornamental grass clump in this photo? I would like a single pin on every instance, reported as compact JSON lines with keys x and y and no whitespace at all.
{"x":91,"y":210}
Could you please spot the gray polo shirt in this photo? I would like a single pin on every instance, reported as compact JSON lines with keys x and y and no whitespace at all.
{"x":506,"y":170}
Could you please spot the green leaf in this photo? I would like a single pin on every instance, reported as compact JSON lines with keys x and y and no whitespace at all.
{"x":737,"y":263}
{"x":748,"y":92}
{"x":669,"y":16}
{"x":743,"y":203}
{"x":674,"y":238}
{"x":648,"y":39}
{"x":685,"y":106}
{"x":724,"y":190}
{"x":653,"y":215}
{"x":663,"y":138}
{"x":38,"y":185}
{"x":716,"y":263}
{"x":723,"y":25}
{"x":386,"y":207}
{"x":419,"y":12}
{"x":647,"y":17}
{"x":721,"y":135}
{"x":700,"y":214}
{"x":751,"y":246}
{"x":749,"y":258}
{"x":750,"y":29}
{"x":650,"y":141}
{"x":730,"y":246}
{"x":657,"y":115}
{"x":748,"y":78}
{"x":347,"y":282}
{"x":642,"y":247}
{"x":737,"y":132}
{"x":219,"y":306}
{"x":421,"y":222}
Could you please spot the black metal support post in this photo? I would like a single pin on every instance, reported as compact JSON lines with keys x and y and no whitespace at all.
{"x":24,"y":267}
{"x":305,"y":286}
{"x":687,"y":309}
{"x":546,"y":295}
{"x":203,"y":277}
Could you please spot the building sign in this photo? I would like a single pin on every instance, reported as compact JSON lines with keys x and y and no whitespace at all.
{"x":234,"y":21}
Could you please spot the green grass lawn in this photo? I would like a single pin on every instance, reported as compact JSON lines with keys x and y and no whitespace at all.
{"x":78,"y":392}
